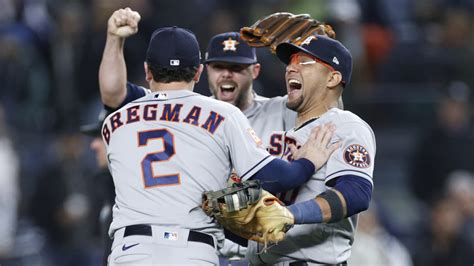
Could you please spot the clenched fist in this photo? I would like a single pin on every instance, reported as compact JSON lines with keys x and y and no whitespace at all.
{"x":123,"y":23}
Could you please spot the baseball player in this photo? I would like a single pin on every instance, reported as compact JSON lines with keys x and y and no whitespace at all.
{"x":230,"y":79}
{"x":168,"y":147}
{"x":325,"y":208}
{"x":231,"y":68}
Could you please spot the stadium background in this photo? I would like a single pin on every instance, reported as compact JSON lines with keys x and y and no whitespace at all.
{"x":413,"y":64}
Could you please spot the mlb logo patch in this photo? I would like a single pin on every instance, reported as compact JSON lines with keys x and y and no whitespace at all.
{"x":161,"y":96}
{"x":171,"y":236}
{"x":174,"y":62}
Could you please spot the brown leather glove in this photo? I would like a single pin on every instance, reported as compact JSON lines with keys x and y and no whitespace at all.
{"x":249,"y":212}
{"x":283,"y":27}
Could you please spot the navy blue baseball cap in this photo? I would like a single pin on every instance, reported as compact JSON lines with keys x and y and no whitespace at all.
{"x":328,"y":50}
{"x":228,"y":47}
{"x":173,"y":47}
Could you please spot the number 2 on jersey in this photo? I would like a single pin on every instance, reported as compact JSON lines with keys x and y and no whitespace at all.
{"x":164,"y":155}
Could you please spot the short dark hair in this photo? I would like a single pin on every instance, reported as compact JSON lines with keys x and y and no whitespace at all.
{"x":172,"y":74}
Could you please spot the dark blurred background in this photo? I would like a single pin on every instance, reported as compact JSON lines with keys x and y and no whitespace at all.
{"x":412,"y":82}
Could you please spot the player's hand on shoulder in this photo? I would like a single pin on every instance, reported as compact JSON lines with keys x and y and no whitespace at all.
{"x":123,"y":23}
{"x":317,"y":148}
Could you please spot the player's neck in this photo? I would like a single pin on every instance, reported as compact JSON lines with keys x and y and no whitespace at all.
{"x":314,"y":112}
{"x":172,"y":86}
{"x":247,"y":101}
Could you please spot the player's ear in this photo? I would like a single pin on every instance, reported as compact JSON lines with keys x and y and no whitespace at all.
{"x":334,"y":79}
{"x":197,"y":76}
{"x":255,"y":70}
{"x":148,"y":75}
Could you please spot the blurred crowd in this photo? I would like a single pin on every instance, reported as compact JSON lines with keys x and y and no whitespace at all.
{"x":412,"y":82}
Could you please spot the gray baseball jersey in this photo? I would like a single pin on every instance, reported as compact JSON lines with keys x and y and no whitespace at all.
{"x":324,"y":243}
{"x":166,"y":148}
{"x":269,"y":117}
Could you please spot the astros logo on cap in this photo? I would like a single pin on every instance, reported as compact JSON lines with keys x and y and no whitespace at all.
{"x":308,"y":40}
{"x":230,"y":45}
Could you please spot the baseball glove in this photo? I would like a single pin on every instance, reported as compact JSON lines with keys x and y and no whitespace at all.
{"x":283,"y":27}
{"x":249,"y":212}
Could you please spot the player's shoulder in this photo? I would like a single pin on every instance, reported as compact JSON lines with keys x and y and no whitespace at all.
{"x":271,"y":103}
{"x":278,"y":100}
{"x":137,"y":89}
{"x":217,"y":105}
{"x":260,"y":98}
{"x":345,"y":117}
{"x":188,"y":98}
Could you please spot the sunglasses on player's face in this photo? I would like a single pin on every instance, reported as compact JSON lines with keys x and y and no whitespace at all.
{"x":306,"y":59}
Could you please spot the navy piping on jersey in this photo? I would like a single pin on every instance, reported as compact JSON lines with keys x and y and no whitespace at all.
{"x":160,"y":100}
{"x":306,"y":123}
{"x":348,"y":170}
{"x":110,"y":109}
{"x":243,"y":176}
{"x":284,"y":145}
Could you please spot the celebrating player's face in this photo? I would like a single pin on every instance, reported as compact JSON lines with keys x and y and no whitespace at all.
{"x":306,"y":79}
{"x":232,"y":83}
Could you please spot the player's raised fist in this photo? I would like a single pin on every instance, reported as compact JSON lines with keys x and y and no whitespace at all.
{"x":123,"y":23}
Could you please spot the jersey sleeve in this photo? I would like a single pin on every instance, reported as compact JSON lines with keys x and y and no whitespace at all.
{"x":356,"y":154}
{"x":246,"y":150}
{"x":133,"y":92}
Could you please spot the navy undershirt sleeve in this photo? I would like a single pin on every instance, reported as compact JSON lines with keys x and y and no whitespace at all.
{"x":133,"y":92}
{"x":279,"y":175}
{"x":357,"y":192}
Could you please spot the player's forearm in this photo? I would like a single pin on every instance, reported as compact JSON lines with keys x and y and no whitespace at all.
{"x":350,"y":196}
{"x":113,"y":72}
{"x":319,"y":210}
{"x":280,"y":175}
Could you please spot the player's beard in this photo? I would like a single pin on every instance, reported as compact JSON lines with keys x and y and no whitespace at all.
{"x":241,"y":99}
{"x":296,"y":104}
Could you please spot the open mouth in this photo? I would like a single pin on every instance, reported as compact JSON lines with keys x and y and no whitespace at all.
{"x":294,"y":85}
{"x":227,"y":91}
{"x":227,"y":88}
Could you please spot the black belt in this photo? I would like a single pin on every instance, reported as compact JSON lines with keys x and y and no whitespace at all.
{"x":304,"y":263}
{"x":298,"y":263}
{"x":145,"y":230}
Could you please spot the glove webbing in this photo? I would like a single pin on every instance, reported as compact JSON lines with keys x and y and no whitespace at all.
{"x":263,"y":25}
{"x":290,"y":27}
{"x":235,"y":198}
